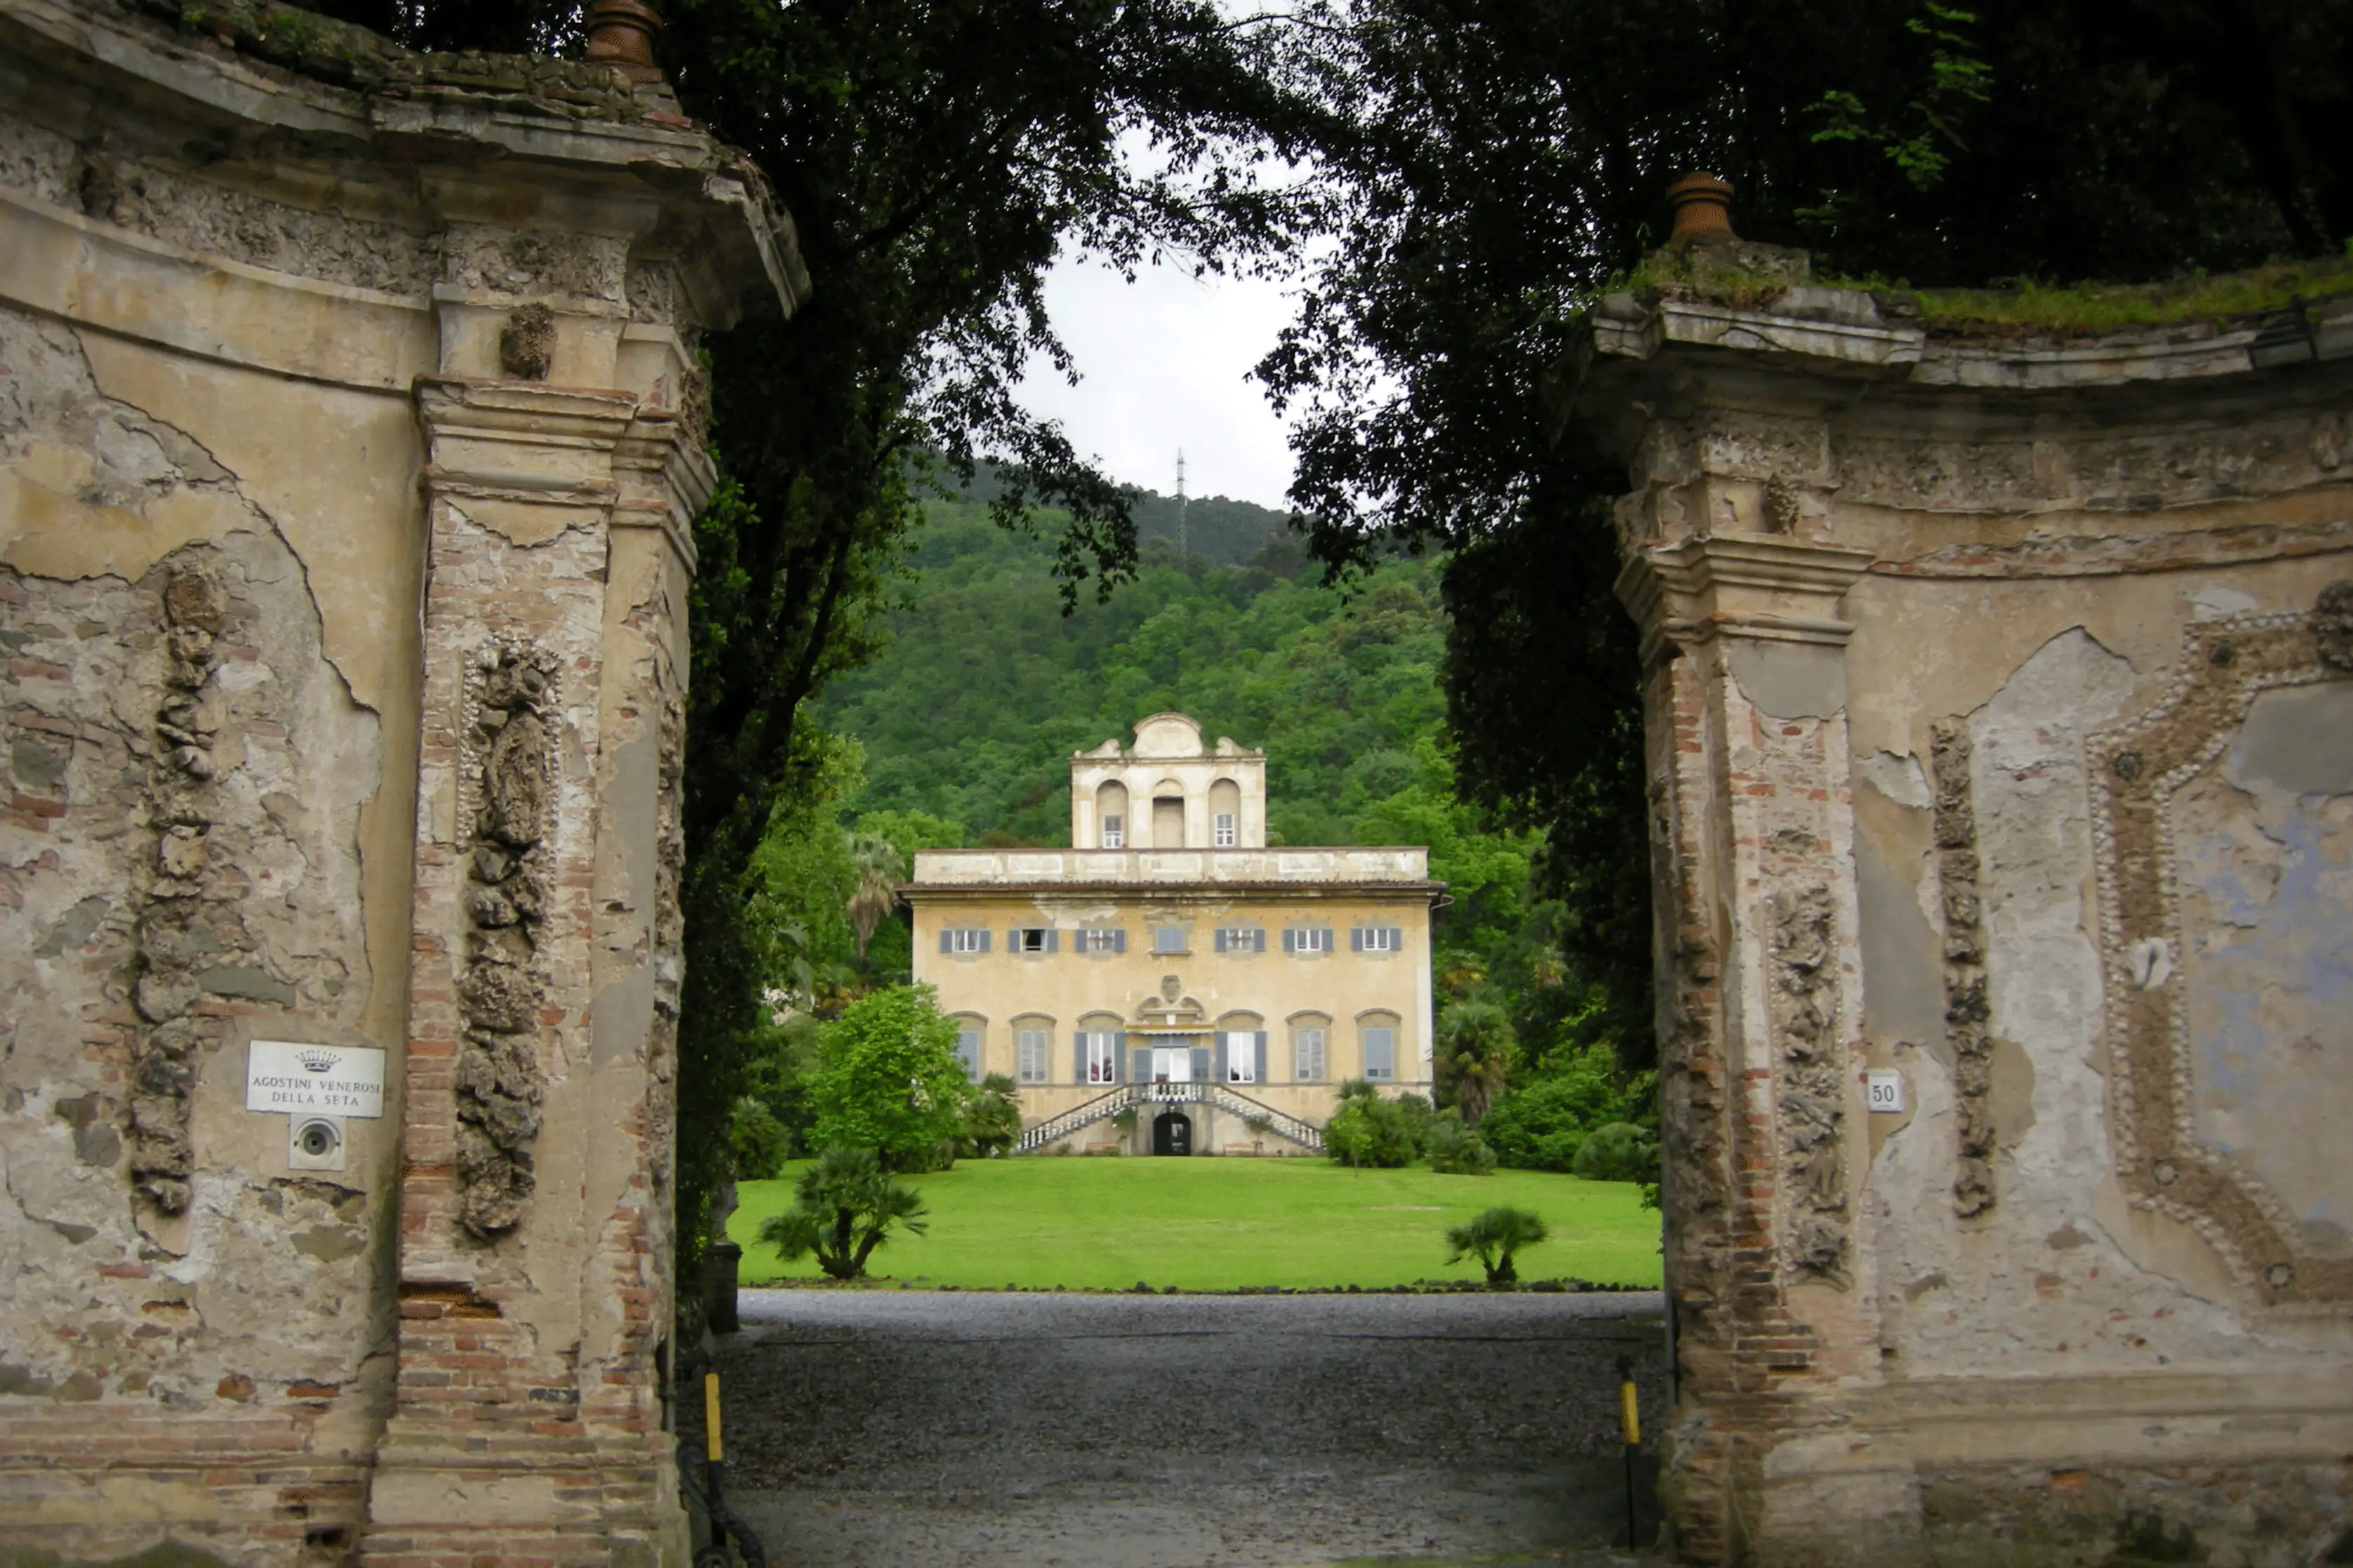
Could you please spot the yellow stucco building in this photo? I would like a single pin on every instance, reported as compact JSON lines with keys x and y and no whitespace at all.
{"x":1176,"y":966}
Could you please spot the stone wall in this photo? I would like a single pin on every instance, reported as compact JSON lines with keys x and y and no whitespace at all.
{"x":2001,"y":738}
{"x":348,"y":440}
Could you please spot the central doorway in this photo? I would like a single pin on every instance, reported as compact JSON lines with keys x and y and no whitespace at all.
{"x":1172,"y":1133}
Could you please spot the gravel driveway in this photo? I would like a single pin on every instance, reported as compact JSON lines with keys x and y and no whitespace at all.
{"x":872,"y":1429}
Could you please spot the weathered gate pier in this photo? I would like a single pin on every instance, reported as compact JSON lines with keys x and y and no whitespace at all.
{"x":351,"y":429}
{"x":1999,"y":694}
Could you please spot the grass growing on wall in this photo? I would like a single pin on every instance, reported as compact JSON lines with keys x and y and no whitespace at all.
{"x":1224,"y":1224}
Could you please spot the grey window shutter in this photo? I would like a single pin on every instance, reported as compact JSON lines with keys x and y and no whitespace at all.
{"x":1380,"y":1053}
{"x":1200,"y":1063}
{"x":1260,"y":1047}
{"x":1119,"y":939}
{"x":944,"y":940}
{"x":1079,"y":1056}
{"x":1053,"y":939}
{"x":1219,"y":1070}
{"x":1396,"y":938}
{"x":1118,"y":1054}
{"x":984,"y":939}
{"x":1356,"y":939}
{"x":1218,"y":942}
{"x":1139,"y":1065}
{"x":1290,"y":939}
{"x":1258,"y":939}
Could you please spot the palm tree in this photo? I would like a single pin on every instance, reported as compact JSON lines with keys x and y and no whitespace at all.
{"x":1477,"y":1048}
{"x":844,"y":1207}
{"x":1492,"y":1237}
{"x":881,"y":868}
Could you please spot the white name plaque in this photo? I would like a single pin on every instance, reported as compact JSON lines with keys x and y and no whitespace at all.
{"x":1883,"y":1090}
{"x":333,"y":1080}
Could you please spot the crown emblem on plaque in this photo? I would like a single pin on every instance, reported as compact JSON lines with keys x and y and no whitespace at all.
{"x":318,"y":1061}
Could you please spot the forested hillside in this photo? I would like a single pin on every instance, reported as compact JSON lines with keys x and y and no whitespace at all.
{"x":960,"y":732}
{"x":973,"y":710}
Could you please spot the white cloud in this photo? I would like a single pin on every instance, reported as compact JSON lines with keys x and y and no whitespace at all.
{"x":1164,"y":363}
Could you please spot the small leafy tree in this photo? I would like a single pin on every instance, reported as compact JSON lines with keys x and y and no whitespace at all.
{"x":1493,"y":1238}
{"x":887,"y":1078}
{"x":1455,"y":1150}
{"x":992,"y":1118}
{"x":844,"y":1207}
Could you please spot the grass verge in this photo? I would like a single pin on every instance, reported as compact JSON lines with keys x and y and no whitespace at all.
{"x":1223,"y":1225}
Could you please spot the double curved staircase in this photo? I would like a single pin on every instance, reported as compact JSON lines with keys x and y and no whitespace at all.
{"x":1105,"y":1106}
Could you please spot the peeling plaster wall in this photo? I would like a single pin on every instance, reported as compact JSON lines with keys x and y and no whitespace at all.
{"x":2094,"y":810}
{"x":261,"y":1313}
{"x":343,"y":395}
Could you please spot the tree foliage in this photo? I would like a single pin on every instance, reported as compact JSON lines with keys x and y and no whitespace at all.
{"x":844,"y":1207}
{"x":1542,"y":1124}
{"x":1369,"y":1130}
{"x":1496,"y":163}
{"x":887,"y":1078}
{"x":1476,"y":1050}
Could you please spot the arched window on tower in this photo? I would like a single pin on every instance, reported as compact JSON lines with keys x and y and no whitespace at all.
{"x":1110,"y":815}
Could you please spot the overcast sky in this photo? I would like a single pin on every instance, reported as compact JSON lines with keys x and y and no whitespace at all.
{"x":1165,"y":362}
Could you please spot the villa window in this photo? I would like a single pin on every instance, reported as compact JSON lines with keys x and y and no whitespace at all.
{"x":1377,"y":939}
{"x":1114,"y":832}
{"x":968,"y":1047}
{"x":1099,"y":1055}
{"x":1240,"y":939}
{"x":1031,"y":939}
{"x":1243,"y":1049}
{"x":1307,"y":1054}
{"x":1380,"y":1053}
{"x":1103,"y":939}
{"x":1224,"y":830}
{"x":1031,"y":1045}
{"x":1307,"y":939}
{"x":965,"y":938}
{"x":1168,"y":939}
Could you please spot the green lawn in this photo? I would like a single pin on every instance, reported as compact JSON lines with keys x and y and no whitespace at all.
{"x":1220,"y":1224}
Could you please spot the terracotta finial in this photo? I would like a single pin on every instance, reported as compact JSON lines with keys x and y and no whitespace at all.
{"x":1703,"y":209}
{"x":621,"y":34}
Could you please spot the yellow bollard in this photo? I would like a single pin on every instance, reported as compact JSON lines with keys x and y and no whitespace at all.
{"x":1629,"y":1426}
{"x":711,"y":1449}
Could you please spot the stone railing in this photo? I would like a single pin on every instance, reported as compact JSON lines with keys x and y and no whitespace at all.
{"x":1103,"y":1107}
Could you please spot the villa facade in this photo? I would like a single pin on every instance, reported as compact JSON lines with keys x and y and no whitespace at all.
{"x":1175,"y":965}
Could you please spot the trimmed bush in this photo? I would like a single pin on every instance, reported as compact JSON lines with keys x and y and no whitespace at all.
{"x":1367,"y":1131}
{"x":1617,"y":1152}
{"x":1455,"y":1150}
